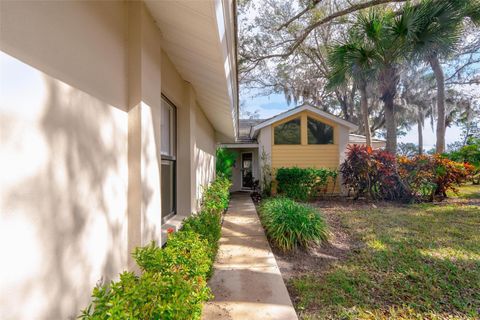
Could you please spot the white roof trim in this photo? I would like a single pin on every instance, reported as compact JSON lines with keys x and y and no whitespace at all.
{"x":238,"y":145}
{"x":305,"y":107}
{"x":225,"y":15}
{"x":362,"y":137}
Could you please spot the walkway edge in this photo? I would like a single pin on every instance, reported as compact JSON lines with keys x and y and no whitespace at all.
{"x":247,"y":282}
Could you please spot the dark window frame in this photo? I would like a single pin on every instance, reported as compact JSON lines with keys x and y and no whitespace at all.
{"x":173,"y":160}
{"x":299,"y":119}
{"x":325,"y":124}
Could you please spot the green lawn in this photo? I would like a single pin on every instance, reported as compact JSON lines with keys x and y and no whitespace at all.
{"x":413,"y":262}
{"x":467,"y":192}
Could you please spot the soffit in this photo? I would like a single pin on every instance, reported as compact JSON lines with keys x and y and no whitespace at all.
{"x":198,"y":38}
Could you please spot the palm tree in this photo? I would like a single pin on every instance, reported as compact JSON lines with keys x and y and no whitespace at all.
{"x":417,"y":99}
{"x":376,"y":47}
{"x":388,"y":34}
{"x":353,"y":60}
{"x":437,"y":35}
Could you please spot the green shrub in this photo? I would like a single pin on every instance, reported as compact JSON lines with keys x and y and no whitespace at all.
{"x":266,"y":175}
{"x":217,"y":195}
{"x":289,"y":224}
{"x":469,"y":153}
{"x":303,"y":184}
{"x":225,"y":160}
{"x":208,"y":226}
{"x":185,"y":253}
{"x":171,"y":285}
{"x":173,"y":282}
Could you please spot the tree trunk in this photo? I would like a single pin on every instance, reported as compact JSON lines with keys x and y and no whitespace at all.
{"x":388,"y":81}
{"x":420,"y":131}
{"x":364,"y":107}
{"x":440,"y":79}
{"x":391,"y":125}
{"x":420,"y":135}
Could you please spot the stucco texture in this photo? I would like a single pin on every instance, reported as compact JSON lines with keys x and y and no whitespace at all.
{"x":81,"y":84}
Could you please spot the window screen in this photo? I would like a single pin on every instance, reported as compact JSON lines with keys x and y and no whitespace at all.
{"x":288,"y":132}
{"x":319,"y":132}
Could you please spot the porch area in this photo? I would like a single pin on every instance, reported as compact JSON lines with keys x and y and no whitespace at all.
{"x":246,"y":168}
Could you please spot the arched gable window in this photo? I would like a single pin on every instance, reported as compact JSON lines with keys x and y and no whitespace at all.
{"x":288,"y":132}
{"x":319,"y":132}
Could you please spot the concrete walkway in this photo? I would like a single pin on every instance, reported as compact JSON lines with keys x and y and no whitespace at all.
{"x":247,"y":283}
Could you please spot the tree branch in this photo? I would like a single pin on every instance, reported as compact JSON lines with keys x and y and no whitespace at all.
{"x":300,"y":14}
{"x":473,"y":81}
{"x":325,"y":20}
{"x":468,"y":63}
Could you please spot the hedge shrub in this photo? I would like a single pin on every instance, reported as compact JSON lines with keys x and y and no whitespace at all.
{"x":303,"y":184}
{"x":290,"y":224}
{"x":469,"y":153}
{"x":173,"y":281}
{"x":433,"y":175}
{"x":217,"y":196}
{"x":379,"y":175}
{"x":373,"y":173}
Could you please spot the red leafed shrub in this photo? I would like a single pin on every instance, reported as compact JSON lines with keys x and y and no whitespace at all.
{"x":358,"y":170}
{"x":430,"y":176}
{"x":373,"y":173}
{"x":379,"y":175}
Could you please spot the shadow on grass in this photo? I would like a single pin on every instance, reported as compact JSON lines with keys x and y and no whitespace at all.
{"x":416,"y":262}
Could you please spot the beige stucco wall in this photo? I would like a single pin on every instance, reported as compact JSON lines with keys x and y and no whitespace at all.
{"x":204,"y":156}
{"x":62,"y":215}
{"x":63,"y":149}
{"x":80,"y":96}
{"x":264,"y":145}
{"x":196,"y":140}
{"x":79,"y":42}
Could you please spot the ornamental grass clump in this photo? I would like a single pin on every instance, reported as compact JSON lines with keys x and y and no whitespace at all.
{"x":290,"y":224}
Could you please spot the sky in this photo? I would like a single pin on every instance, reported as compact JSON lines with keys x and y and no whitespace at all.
{"x":271,"y":105}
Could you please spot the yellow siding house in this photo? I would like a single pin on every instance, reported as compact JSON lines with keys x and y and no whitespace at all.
{"x":305,"y":137}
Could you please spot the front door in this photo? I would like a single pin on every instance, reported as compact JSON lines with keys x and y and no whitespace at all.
{"x":247,"y":174}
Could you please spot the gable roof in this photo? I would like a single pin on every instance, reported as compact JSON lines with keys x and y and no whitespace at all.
{"x":245,"y":127}
{"x":304,"y":107}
